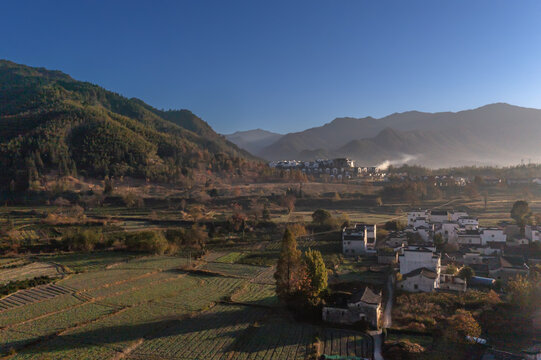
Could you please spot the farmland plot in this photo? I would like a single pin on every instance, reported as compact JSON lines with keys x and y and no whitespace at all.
{"x":240,"y":270}
{"x":258,"y":294}
{"x":25,"y":313}
{"x":35,"y":294}
{"x":21,"y":335}
{"x":29,"y":271}
{"x":345,"y":343}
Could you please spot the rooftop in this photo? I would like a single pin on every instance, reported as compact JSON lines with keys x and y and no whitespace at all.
{"x":423,"y":272}
{"x":367,"y":296}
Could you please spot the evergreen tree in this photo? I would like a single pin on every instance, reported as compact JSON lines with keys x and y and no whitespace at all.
{"x":316,"y":274}
{"x":288,"y":269}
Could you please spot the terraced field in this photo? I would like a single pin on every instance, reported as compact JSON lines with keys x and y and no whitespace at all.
{"x":35,"y":294}
{"x":30,"y":271}
{"x":148,"y":308}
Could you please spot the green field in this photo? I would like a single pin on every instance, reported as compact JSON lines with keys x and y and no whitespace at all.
{"x":149,"y":308}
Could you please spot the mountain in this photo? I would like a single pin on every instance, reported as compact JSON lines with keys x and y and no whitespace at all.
{"x":495,"y":134}
{"x":52,"y":122}
{"x":253,"y":140}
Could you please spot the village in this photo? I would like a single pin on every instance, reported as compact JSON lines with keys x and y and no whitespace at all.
{"x":442,"y":251}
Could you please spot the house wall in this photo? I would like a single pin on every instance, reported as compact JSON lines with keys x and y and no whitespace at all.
{"x":454,"y":216}
{"x":439,"y":218}
{"x":412,"y":260}
{"x":370,"y":311}
{"x":412,"y":215}
{"x":532,"y":233}
{"x":353,"y":247}
{"x":418,"y":283}
{"x":464,"y":239}
{"x":341,"y":315}
{"x":494,"y":235}
{"x":449,"y":231}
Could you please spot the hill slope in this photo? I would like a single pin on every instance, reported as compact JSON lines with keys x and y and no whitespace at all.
{"x":493,"y":134}
{"x":253,"y":140}
{"x":51,"y":122}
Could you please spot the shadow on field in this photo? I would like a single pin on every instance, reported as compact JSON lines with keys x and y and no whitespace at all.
{"x":250,"y":329}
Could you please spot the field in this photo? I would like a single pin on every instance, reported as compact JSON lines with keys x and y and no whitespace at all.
{"x":121,"y":305}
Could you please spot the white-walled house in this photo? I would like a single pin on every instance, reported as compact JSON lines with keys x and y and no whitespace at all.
{"x":363,"y":305}
{"x":359,"y":239}
{"x":493,"y":235}
{"x":452,"y":282}
{"x":449,"y":231}
{"x":469,"y":223}
{"x":469,"y":237}
{"x":439,"y":216}
{"x":419,"y":280}
{"x":533,"y":233}
{"x":414,"y":215}
{"x":425,"y":232}
{"x":456,"y":215}
{"x":420,"y":222}
{"x":417,"y":258}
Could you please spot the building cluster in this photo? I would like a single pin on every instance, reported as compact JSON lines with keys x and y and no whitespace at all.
{"x":339,"y":169}
{"x":486,"y":250}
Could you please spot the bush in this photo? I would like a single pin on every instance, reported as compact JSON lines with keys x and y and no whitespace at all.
{"x":83,"y":240}
{"x":147,"y":241}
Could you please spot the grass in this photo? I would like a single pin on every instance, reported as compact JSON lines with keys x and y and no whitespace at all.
{"x":231,"y":258}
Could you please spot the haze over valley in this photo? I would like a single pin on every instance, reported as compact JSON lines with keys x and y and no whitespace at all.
{"x":495,"y":134}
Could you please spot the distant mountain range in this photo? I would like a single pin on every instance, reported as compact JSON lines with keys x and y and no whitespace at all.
{"x":51,"y":122}
{"x":253,"y":140}
{"x":495,"y":134}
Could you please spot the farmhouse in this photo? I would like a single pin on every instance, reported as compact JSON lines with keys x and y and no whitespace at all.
{"x":420,"y":280}
{"x":364,"y":305}
{"x":469,"y":237}
{"x":415,"y":258}
{"x":359,"y":239}
{"x":492,"y":235}
{"x":533,"y":233}
{"x":452,"y":283}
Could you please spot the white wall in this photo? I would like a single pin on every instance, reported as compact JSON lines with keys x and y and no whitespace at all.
{"x":413,"y":260}
{"x":494,"y":235}
{"x":418,"y":283}
{"x":532,"y":233}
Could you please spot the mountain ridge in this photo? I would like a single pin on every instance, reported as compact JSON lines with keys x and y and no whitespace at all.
{"x":497,"y":133}
{"x":52,"y":122}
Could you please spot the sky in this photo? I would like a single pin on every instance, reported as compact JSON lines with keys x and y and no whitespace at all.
{"x":287,"y":65}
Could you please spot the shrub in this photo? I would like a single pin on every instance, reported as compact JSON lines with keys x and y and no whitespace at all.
{"x":147,"y":241}
{"x":82,"y":240}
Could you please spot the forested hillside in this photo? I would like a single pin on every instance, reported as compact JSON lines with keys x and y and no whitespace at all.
{"x":50,"y":122}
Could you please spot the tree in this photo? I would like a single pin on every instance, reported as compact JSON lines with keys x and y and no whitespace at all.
{"x":519,"y":291}
{"x":316,"y":274}
{"x":466,"y":273}
{"x":438,"y":241}
{"x":460,"y":326}
{"x":288,"y":267}
{"x":521,"y":213}
{"x":321,"y":217}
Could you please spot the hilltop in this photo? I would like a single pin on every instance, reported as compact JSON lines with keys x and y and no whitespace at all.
{"x":50,"y":122}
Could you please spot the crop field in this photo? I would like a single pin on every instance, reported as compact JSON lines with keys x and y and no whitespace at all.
{"x":149,"y":308}
{"x":230,"y":258}
{"x":35,"y":294}
{"x":259,"y":294}
{"x":29,"y":271}
{"x":345,"y":343}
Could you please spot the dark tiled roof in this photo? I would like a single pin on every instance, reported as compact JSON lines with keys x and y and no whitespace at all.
{"x":367,"y":296}
{"x":421,"y":271}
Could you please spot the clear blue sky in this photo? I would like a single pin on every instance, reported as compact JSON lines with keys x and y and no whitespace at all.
{"x":287,"y":65}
